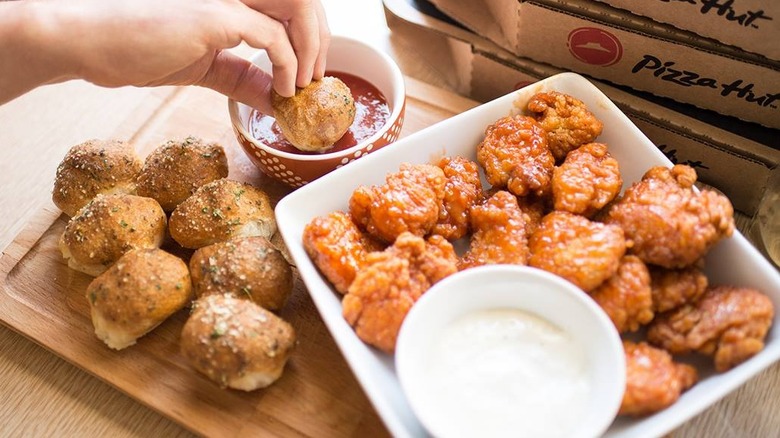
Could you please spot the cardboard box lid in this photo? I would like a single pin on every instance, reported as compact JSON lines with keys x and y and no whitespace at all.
{"x":741,"y":88}
{"x":752,"y":25}
{"x":727,"y":157}
{"x":426,"y":14}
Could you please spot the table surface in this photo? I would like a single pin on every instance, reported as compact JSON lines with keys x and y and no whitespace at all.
{"x":44,"y":395}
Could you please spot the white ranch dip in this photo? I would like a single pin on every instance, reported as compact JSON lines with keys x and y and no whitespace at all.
{"x":506,"y":372}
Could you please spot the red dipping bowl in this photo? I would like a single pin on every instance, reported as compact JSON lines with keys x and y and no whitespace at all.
{"x":344,"y":55}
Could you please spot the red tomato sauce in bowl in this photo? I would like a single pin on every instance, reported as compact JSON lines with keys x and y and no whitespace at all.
{"x":371,"y":114}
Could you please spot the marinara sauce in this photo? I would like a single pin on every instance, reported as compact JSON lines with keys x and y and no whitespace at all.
{"x":371,"y":113}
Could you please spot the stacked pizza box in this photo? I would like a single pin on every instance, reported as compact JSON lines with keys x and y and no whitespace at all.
{"x":468,"y":42}
{"x":616,"y":45}
{"x":750,"y":25}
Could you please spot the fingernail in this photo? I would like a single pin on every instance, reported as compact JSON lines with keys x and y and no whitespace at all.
{"x":304,"y":79}
{"x":288,"y":91}
{"x":319,"y":70}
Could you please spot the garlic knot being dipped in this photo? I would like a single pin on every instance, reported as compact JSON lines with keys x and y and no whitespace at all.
{"x":317,"y":115}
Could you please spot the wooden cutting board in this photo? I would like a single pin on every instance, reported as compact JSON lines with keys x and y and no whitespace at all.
{"x":41,"y":298}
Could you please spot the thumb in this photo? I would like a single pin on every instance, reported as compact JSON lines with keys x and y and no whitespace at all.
{"x":240,"y":80}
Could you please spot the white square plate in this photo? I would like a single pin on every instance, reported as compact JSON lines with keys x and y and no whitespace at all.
{"x":732,"y":261}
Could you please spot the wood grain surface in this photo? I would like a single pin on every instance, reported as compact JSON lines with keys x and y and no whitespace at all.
{"x":43,"y":299}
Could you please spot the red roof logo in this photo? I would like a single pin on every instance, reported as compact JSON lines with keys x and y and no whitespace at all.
{"x":595,"y":46}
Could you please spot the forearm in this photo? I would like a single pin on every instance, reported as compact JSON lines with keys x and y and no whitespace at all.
{"x":31,"y":52}
{"x":115,"y":43}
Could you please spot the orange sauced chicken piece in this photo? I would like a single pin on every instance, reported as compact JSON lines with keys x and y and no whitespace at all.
{"x":586,"y":181}
{"x":338,"y":248}
{"x":567,"y":121}
{"x":578,"y":249}
{"x":673,"y":288}
{"x":389,"y":284}
{"x":515,"y":155}
{"x":462,"y":191}
{"x":626,"y":297}
{"x":653,"y":380}
{"x":728,"y":323}
{"x":408,"y":201}
{"x":499,"y":233}
{"x":669,"y":223}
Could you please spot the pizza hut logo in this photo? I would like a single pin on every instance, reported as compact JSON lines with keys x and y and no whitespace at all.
{"x":595,"y":46}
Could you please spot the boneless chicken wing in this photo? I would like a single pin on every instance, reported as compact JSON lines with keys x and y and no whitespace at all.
{"x":668,"y":222}
{"x":728,"y":323}
{"x":461,"y":192}
{"x":499,"y":233}
{"x":580,"y":250}
{"x":626,"y":297}
{"x":534,"y":209}
{"x":567,"y":120}
{"x":673,"y":288}
{"x":586,"y":181}
{"x":653,"y":380}
{"x":515,"y":155}
{"x":337,"y":247}
{"x":408,"y":201}
{"x":388,"y":285}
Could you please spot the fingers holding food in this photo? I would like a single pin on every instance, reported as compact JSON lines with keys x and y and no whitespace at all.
{"x":250,"y":268}
{"x":236,"y":343}
{"x":94,"y":167}
{"x":222,"y":210}
{"x":108,"y":227}
{"x":177,"y":168}
{"x":140,"y":291}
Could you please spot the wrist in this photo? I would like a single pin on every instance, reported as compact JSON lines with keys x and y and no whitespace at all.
{"x":31,"y":54}
{"x":47,"y":36}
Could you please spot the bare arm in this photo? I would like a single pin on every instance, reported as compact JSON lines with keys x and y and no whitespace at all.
{"x":161,"y":42}
{"x":24,"y":63}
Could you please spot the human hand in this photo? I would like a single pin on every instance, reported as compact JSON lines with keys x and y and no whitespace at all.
{"x":178,"y":42}
{"x":308,"y":31}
